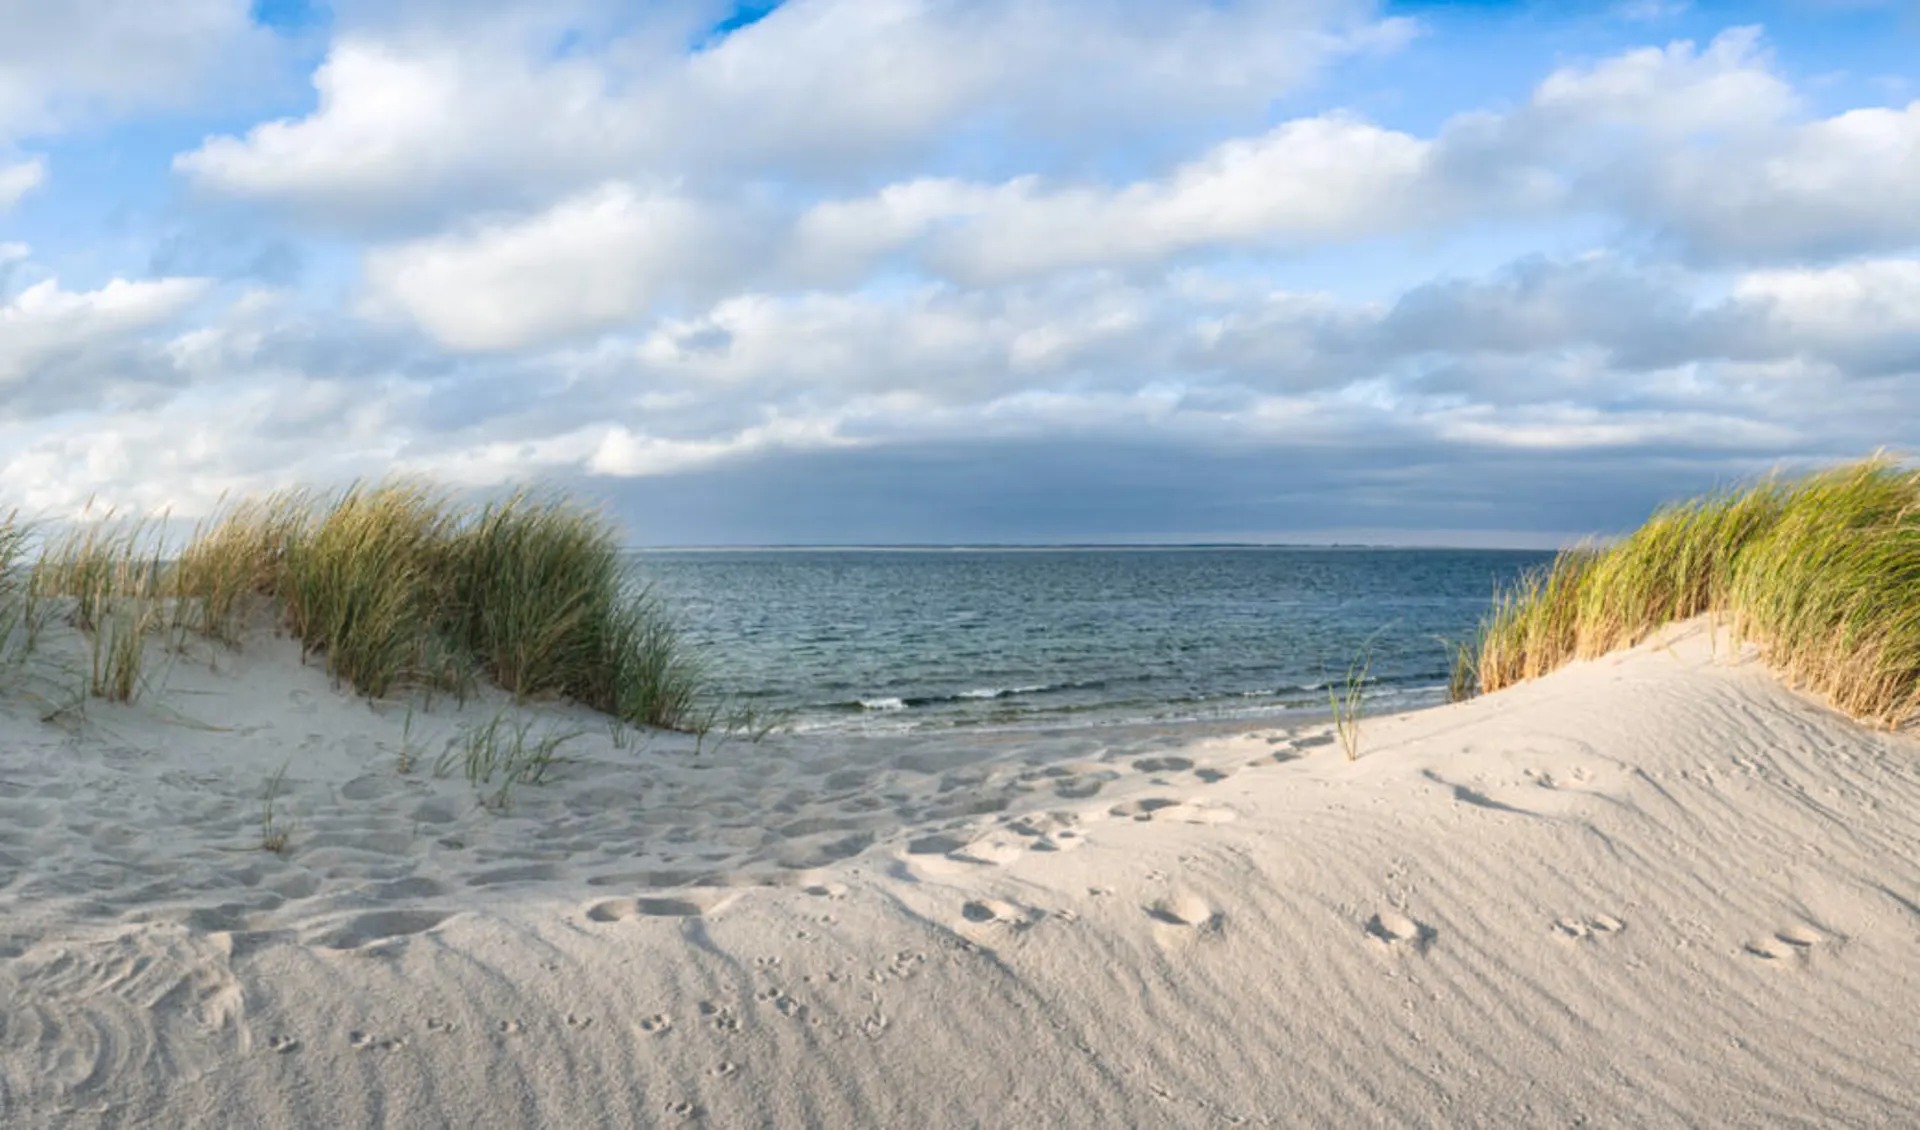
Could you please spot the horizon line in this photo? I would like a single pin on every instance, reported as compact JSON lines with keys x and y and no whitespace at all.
{"x":911,"y":547}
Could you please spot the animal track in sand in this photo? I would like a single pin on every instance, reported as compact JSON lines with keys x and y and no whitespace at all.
{"x":616,"y":910}
{"x":284,"y":1044}
{"x":659,"y":1024}
{"x":1185,"y":910}
{"x":1793,"y":945}
{"x":1587,"y":929}
{"x":1396,"y":932}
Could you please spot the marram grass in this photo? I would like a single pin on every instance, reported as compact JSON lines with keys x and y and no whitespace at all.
{"x":1823,"y":571}
{"x":392,"y":586}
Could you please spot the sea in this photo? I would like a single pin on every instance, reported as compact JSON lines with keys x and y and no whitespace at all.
{"x":919,"y":639}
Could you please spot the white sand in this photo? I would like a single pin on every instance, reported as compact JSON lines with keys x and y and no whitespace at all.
{"x":1657,"y":889}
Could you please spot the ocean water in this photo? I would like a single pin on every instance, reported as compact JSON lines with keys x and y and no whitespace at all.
{"x":921,"y":640}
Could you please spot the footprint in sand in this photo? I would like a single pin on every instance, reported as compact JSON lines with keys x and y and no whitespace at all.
{"x":1397,"y":933}
{"x":364,"y":930}
{"x":1163,"y":764}
{"x":1143,"y":808}
{"x":366,"y":1042}
{"x":617,"y":910}
{"x":1049,"y":831}
{"x":1185,"y":812}
{"x":284,"y":1044}
{"x":991,"y":851}
{"x":659,"y":1024}
{"x":1185,"y":910}
{"x":984,"y":912}
{"x":1587,"y":929}
{"x":938,"y":844}
{"x":1792,"y":946}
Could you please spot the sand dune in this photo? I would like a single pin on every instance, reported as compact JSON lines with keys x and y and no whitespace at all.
{"x":1655,"y":889}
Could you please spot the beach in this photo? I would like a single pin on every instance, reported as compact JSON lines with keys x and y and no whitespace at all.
{"x":1654,"y":888}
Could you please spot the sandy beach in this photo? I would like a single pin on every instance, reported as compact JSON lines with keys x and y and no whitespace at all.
{"x":1658,"y":888}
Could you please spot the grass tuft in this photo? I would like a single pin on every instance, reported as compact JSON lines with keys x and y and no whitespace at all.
{"x":394,"y":586}
{"x":397,"y":586}
{"x":1823,"y":571}
{"x":1348,"y":699}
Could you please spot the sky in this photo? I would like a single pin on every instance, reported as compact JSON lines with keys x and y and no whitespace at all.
{"x":960,"y":271}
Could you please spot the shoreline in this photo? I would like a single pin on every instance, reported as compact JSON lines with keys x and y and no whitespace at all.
{"x":1656,"y":887}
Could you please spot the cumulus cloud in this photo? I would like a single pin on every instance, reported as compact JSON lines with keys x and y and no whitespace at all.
{"x":979,"y":269}
{"x":53,"y":342}
{"x":78,"y":60}
{"x":1701,"y":148}
{"x":590,"y":263}
{"x":819,"y":89}
{"x":19,"y":179}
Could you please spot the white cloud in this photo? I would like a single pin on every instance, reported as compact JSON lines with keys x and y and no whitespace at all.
{"x":1675,"y":91}
{"x":860,"y":232}
{"x":19,"y":179}
{"x":1583,"y":428}
{"x":1309,"y":181}
{"x":1850,"y":301}
{"x":591,"y":263}
{"x":76,"y":60}
{"x":44,"y":322}
{"x":1840,"y":186}
{"x":1699,"y":146}
{"x":819,"y":89}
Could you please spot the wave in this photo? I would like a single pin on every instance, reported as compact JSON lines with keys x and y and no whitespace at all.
{"x":1078,"y":701}
{"x":978,"y":694}
{"x":990,"y":693}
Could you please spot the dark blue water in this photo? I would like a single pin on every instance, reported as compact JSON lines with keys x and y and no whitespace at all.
{"x":915,"y":639}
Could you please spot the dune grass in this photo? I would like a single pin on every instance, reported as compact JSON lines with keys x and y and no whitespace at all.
{"x":1823,"y":571}
{"x":392,"y":586}
{"x":1347,"y":697}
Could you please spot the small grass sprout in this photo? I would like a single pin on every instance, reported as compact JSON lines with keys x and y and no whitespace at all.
{"x":1347,"y":697}
{"x":275,"y":834}
{"x":505,"y":749}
